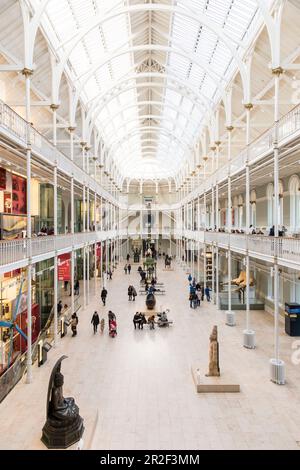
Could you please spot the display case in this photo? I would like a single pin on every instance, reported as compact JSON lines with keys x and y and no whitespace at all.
{"x":13,"y":226}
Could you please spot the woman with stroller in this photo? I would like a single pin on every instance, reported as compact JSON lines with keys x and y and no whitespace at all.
{"x":112,"y":322}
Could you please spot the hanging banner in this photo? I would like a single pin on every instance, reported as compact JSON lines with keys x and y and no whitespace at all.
{"x":19,"y":195}
{"x":64,"y":267}
{"x":98,"y":251}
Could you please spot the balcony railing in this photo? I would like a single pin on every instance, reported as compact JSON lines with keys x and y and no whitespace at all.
{"x":287,"y":250}
{"x":15,"y":251}
{"x":18,"y":128}
{"x":289,"y":127}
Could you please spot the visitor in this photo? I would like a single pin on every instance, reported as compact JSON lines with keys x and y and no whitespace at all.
{"x":59,"y":307}
{"x":129,"y":268}
{"x":207,"y":293}
{"x":136,"y":320}
{"x":125,"y":268}
{"x":103,"y":295}
{"x":95,"y":321}
{"x":134,"y":293}
{"x":66,"y":283}
{"x":272,"y":231}
{"x":130,"y":293}
{"x":151,"y":322}
{"x":110,"y":274}
{"x":128,"y":257}
{"x":143,"y":321}
{"x":76,"y":287}
{"x":112,"y":323}
{"x":190,"y":278}
{"x":74,"y":323}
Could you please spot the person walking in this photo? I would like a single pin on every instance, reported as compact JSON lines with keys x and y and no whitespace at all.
{"x":125,"y":268}
{"x":129,"y":268}
{"x":95,"y":321}
{"x":76,"y":287}
{"x":74,"y":323}
{"x":130,"y":293}
{"x":103,"y":295}
{"x":190,"y":278}
{"x":134,"y":293}
{"x":128,"y":257}
{"x":59,"y":307}
{"x":207,"y":293}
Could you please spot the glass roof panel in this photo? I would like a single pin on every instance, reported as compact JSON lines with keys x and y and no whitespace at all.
{"x":192,"y":75}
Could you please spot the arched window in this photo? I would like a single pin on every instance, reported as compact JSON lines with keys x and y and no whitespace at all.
{"x":270,"y":200}
{"x":294,"y":185}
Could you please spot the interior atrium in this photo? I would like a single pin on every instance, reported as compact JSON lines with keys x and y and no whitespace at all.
{"x":149,"y":224}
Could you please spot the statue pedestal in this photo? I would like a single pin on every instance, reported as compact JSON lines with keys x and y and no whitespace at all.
{"x":223,"y":384}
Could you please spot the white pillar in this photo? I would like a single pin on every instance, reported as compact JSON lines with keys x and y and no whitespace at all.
{"x":84,"y":277}
{"x":27,"y":73}
{"x":55,"y":313}
{"x":276,"y":360}
{"x":83,"y":208}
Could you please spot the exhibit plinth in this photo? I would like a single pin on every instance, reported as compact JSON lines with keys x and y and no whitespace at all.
{"x":223,"y":384}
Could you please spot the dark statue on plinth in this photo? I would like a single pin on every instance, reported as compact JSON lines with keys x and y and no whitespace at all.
{"x":64,"y":426}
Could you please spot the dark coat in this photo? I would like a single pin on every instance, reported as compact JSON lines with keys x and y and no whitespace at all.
{"x":95,"y":319}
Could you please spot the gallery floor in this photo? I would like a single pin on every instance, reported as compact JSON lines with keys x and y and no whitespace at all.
{"x":136,"y":391}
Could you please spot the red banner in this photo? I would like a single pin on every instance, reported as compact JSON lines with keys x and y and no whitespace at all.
{"x":19,"y":193}
{"x":64,"y":267}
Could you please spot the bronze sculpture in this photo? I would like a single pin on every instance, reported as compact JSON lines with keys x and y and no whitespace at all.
{"x":213,"y":367}
{"x":64,"y":425}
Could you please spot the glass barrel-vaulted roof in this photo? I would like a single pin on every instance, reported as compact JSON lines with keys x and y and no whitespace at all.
{"x":149,"y":71}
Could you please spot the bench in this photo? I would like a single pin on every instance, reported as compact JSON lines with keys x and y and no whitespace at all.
{"x":157,"y":292}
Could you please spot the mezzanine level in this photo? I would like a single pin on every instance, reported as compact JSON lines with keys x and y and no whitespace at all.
{"x":260,"y":148}
{"x":16,"y":254}
{"x":286,"y":250}
{"x":14,"y":129}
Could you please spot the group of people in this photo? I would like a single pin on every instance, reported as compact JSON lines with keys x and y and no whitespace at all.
{"x":131,"y":293}
{"x":127,"y":268}
{"x":197,"y":292}
{"x":112,"y":323}
{"x":139,"y":320}
{"x":142,"y":273}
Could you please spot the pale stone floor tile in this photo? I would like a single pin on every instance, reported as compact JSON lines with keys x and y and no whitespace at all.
{"x":141,"y":383}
